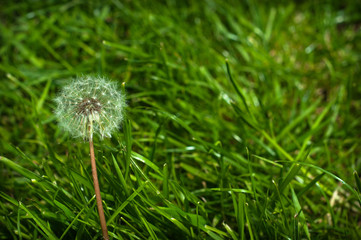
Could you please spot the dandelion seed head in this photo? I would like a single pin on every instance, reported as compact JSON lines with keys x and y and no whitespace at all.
{"x":81,"y":107}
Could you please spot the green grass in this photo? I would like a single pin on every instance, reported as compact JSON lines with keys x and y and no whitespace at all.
{"x":243,"y":120}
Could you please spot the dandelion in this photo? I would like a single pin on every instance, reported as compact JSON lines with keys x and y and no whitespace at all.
{"x":91,"y":106}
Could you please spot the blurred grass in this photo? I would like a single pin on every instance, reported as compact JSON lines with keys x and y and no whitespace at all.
{"x":244,"y":119}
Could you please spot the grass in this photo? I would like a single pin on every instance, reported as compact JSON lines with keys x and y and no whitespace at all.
{"x":243,"y":120}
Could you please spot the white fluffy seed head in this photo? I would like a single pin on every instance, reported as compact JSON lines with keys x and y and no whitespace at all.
{"x":81,"y":107}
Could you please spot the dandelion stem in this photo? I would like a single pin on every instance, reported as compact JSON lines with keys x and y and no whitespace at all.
{"x":97,"y":191}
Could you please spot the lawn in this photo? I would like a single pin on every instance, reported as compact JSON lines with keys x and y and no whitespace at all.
{"x":243,"y":119}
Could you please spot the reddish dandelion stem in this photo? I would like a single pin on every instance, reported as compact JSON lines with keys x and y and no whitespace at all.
{"x":97,"y":192}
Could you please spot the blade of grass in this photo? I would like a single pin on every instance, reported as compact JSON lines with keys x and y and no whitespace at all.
{"x":120,"y":176}
{"x":126,"y":202}
{"x":239,"y":93}
{"x":310,"y":185}
{"x":358,"y":181}
{"x":165,"y":181}
{"x":230,"y":231}
{"x":289,"y":177}
{"x":298,"y":209}
{"x":128,"y":146}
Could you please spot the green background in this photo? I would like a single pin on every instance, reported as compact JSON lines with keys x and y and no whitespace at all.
{"x":243,"y":119}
